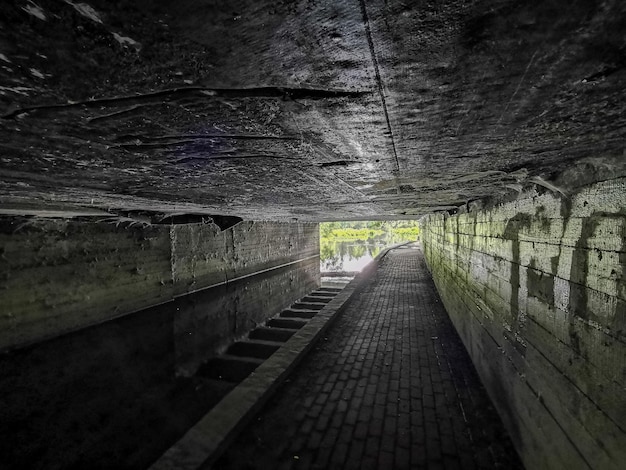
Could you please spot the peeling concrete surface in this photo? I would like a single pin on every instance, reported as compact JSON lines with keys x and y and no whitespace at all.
{"x":245,"y":108}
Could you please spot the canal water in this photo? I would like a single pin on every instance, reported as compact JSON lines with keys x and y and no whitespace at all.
{"x":129,"y":384}
{"x":349,"y":257}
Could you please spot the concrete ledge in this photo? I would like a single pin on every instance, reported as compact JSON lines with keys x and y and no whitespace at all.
{"x":202,"y":445}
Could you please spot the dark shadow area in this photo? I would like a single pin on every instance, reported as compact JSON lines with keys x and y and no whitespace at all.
{"x":117,"y":395}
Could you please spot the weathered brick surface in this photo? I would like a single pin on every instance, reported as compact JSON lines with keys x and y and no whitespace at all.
{"x":536,"y":289}
{"x":391,"y":386}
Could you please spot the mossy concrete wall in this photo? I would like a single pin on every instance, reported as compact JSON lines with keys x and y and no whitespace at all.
{"x":62,"y":275}
{"x":536,"y":289}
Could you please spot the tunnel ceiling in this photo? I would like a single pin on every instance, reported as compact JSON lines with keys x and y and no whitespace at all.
{"x":315,"y":110}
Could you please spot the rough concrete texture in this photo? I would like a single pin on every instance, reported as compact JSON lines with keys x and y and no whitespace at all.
{"x":536,"y":289}
{"x":310,"y":109}
{"x":61,"y":275}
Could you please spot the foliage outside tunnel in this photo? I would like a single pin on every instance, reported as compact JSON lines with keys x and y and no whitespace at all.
{"x":349,"y":246}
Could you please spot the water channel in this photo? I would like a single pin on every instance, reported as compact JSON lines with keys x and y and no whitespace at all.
{"x":341,"y":260}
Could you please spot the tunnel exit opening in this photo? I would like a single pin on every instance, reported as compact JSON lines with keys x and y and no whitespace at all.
{"x":346,"y":247}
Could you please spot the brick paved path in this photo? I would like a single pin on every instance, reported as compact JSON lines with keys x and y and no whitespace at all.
{"x":390,"y":387}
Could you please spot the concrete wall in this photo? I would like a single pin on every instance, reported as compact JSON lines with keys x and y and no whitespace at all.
{"x":61,"y":275}
{"x":208,"y":321}
{"x":536,"y":289}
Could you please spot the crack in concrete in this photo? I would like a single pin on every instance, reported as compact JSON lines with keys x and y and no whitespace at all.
{"x":379,"y":82}
{"x":251,"y":92}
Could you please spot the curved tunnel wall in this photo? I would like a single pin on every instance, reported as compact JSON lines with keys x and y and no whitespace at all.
{"x":536,"y":289}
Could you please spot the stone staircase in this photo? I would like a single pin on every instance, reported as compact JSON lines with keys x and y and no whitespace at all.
{"x":243,"y":357}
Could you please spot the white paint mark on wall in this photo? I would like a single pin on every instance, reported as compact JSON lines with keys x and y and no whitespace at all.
{"x":86,"y":10}
{"x":35,"y":10}
{"x":358,"y":147}
{"x":561,"y":293}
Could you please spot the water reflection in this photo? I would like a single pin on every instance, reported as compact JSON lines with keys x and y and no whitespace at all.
{"x":351,"y":255}
{"x":347,"y":256}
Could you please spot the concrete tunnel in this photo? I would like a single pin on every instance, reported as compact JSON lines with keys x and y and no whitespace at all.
{"x":153,"y":154}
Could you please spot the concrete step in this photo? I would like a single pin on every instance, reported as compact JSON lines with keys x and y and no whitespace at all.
{"x":286,"y":323}
{"x":272,"y":334}
{"x":295,"y":313}
{"x":333,"y":290}
{"x":316,"y":298}
{"x":222,"y":419}
{"x":253,"y":348}
{"x":243,"y":357}
{"x":325,"y":295}
{"x":230,"y":368}
{"x":308,"y":306}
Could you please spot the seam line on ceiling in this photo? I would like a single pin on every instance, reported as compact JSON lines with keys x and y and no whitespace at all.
{"x":370,"y":41}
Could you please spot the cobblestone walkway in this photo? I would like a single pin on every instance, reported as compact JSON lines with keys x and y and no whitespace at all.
{"x":390,"y":387}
